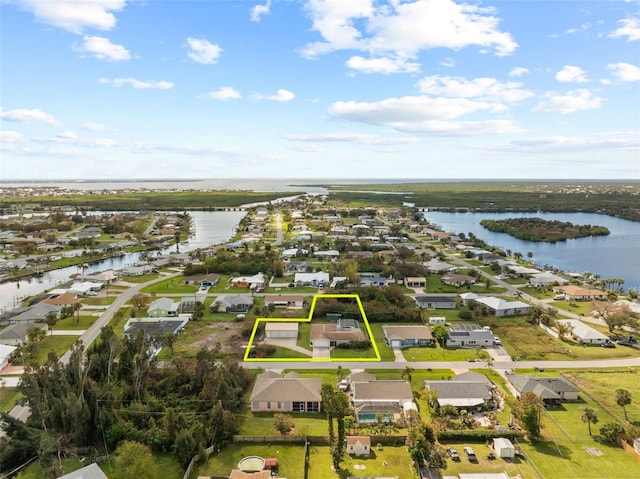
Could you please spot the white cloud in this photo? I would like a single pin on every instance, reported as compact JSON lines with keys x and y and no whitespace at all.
{"x":577,"y":100}
{"x":75,"y":15}
{"x":8,"y":136}
{"x":224,"y":93}
{"x":67,"y":135}
{"x":630,"y":29}
{"x":518,"y":72}
{"x":103,"y":49}
{"x":448,"y":62}
{"x":259,"y":10}
{"x":203,"y":51}
{"x":282,"y":96}
{"x":582,"y":28}
{"x":382,"y":65}
{"x":361,"y":138}
{"x":29,"y":116}
{"x":139,"y":84}
{"x":625,"y":141}
{"x":489,"y":89}
{"x":625,"y":71}
{"x":571,"y":74}
{"x":401,"y":30}
{"x":93,"y":126}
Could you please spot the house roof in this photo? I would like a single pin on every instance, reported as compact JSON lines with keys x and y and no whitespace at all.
{"x":473,"y":376}
{"x":92,"y":471}
{"x":165,"y":304}
{"x":382,"y":391}
{"x":238,"y":474}
{"x":331,"y":332}
{"x":269,"y":388}
{"x":281,"y":326}
{"x":274,"y":298}
{"x":18,"y":331}
{"x":499,"y":304}
{"x":362,"y":377}
{"x":354,"y":440}
{"x":455,"y":390}
{"x":582,"y":331}
{"x":65,"y":298}
{"x":435,"y":299}
{"x":407,"y":332}
{"x":232,"y":299}
{"x":524,"y":384}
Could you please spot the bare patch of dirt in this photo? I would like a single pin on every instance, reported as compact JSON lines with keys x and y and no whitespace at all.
{"x":225,"y":333}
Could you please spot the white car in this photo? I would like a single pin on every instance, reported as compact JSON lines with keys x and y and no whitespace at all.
{"x":496,"y":340}
{"x":343,"y":385}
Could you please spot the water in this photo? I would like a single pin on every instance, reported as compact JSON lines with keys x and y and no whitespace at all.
{"x":614,"y":256}
{"x":210,"y":227}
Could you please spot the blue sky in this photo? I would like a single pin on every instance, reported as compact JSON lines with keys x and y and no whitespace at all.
{"x":319,"y":88}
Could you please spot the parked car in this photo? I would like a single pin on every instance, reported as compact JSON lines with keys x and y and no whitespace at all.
{"x":496,"y":340}
{"x":343,"y":385}
{"x":453,"y":454}
{"x":608,"y":344}
{"x":470,"y":453}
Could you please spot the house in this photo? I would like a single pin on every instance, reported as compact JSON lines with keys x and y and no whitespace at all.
{"x":584,"y":334}
{"x":319,"y":279}
{"x":469,"y":336}
{"x":298,"y":266}
{"x":284,"y":300}
{"x":436,"y":302}
{"x":406,"y":336}
{"x":36,"y":313}
{"x":287,"y":254}
{"x":273,"y":393}
{"x":439,"y":267}
{"x":84,"y":288}
{"x":504,"y":448}
{"x":92,"y":471}
{"x":547,"y":278}
{"x":358,"y":445}
{"x":252,"y":282}
{"x":465,"y":391}
{"x":281,"y":330}
{"x":433,"y":320}
{"x":188,"y":303}
{"x":455,"y":279}
{"x":550,"y":390}
{"x":468,"y":297}
{"x":139,"y":270}
{"x":332,"y":254}
{"x":203,"y":280}
{"x":415,"y":282}
{"x":154,"y":327}
{"x":163,"y":307}
{"x":386,"y":398}
{"x":5,"y":354}
{"x":500,"y":307}
{"x":578,"y":293}
{"x":343,"y":331}
{"x":232,"y":303}
{"x":64,"y":299}
{"x":372,"y":281}
{"x":18,"y":334}
{"x":238,"y":474}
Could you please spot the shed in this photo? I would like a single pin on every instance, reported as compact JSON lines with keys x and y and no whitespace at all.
{"x":504,"y":448}
{"x":281,"y":330}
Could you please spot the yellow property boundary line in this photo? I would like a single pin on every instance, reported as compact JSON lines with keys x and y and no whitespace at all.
{"x":308,"y":320}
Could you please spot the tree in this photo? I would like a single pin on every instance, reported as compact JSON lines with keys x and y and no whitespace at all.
{"x":590,"y":416}
{"x":439,"y":333}
{"x":527,"y":410}
{"x":283,"y":423}
{"x":140,"y":300}
{"x":623,"y":399}
{"x":407,"y":373}
{"x":611,"y":431}
{"x":135,"y":461}
{"x":563,"y":328}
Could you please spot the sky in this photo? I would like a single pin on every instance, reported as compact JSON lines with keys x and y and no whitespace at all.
{"x":424,"y":89}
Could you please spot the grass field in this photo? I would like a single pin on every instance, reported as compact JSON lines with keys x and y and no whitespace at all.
{"x":601,"y":385}
{"x":518,"y":467}
{"x":57,"y":344}
{"x":443,"y":354}
{"x":69,"y":323}
{"x":290,"y":459}
{"x":8,"y":398}
{"x":386,"y":353}
{"x":388,"y":462}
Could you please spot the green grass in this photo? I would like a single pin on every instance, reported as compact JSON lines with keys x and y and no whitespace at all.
{"x":601,"y":385}
{"x":169,"y":286}
{"x":389,"y":462}
{"x":143,"y":278}
{"x":386,"y":353}
{"x":101,"y":300}
{"x":438,"y":353}
{"x":83,"y":323}
{"x":290,"y":459}
{"x":8,"y":398}
{"x":57,"y":344}
{"x":577,"y":307}
{"x":304,"y":336}
{"x":284,"y":353}
{"x":346,"y":353}
{"x":565,"y":454}
{"x":434,"y":285}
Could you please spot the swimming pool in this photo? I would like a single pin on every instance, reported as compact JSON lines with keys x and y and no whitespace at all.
{"x":371,"y":417}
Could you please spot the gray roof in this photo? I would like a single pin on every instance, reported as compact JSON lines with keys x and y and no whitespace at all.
{"x":270,"y":388}
{"x":165,"y":304}
{"x":38,"y":312}
{"x":407,"y":332}
{"x":475,"y":377}
{"x":362,"y":377}
{"x":460,"y":389}
{"x":92,"y":471}
{"x":382,"y":391}
{"x":18,"y":331}
{"x":435,"y":299}
{"x":233,"y":299}
{"x":536,"y":384}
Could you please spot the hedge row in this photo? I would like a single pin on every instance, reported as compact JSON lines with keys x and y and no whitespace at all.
{"x":479,"y":434}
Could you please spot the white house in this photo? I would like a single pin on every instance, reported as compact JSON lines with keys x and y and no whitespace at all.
{"x":547,"y":278}
{"x":500,"y":307}
{"x":5,"y":353}
{"x":319,"y":279}
{"x":584,"y":334}
{"x":358,"y":445}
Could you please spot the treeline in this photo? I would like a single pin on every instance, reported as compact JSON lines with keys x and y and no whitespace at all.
{"x":243,"y":263}
{"x":155,"y":201}
{"x":116,"y":393}
{"x":622,"y":205}
{"x":538,"y":229}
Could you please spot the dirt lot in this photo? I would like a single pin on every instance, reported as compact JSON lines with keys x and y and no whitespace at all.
{"x":226,"y":333}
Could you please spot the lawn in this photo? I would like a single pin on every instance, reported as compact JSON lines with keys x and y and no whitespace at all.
{"x":8,"y":398}
{"x":388,"y":462}
{"x":169,"y":286}
{"x":386,"y":353}
{"x":102,"y":300}
{"x":578,"y":307}
{"x":443,"y":354}
{"x":304,"y":336}
{"x":290,"y":459}
{"x":285,"y":353}
{"x":143,"y":278}
{"x":434,"y":285}
{"x":84,"y":321}
{"x":601,"y":385}
{"x":569,"y":452}
{"x":58,"y":344}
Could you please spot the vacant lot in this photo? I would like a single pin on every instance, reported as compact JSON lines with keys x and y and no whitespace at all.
{"x":387,"y":462}
{"x":519,"y":466}
{"x":601,"y":385}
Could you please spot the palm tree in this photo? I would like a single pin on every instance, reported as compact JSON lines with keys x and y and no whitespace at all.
{"x":590,"y":416}
{"x":623,"y":399}
{"x":407,"y":372}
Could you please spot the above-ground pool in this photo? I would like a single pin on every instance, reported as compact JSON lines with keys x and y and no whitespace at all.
{"x":251,"y":464}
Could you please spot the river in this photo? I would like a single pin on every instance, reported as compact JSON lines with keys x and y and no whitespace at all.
{"x":614,"y":256}
{"x":209,"y":227}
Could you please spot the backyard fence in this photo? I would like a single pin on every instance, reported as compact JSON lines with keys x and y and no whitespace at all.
{"x":280,"y":439}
